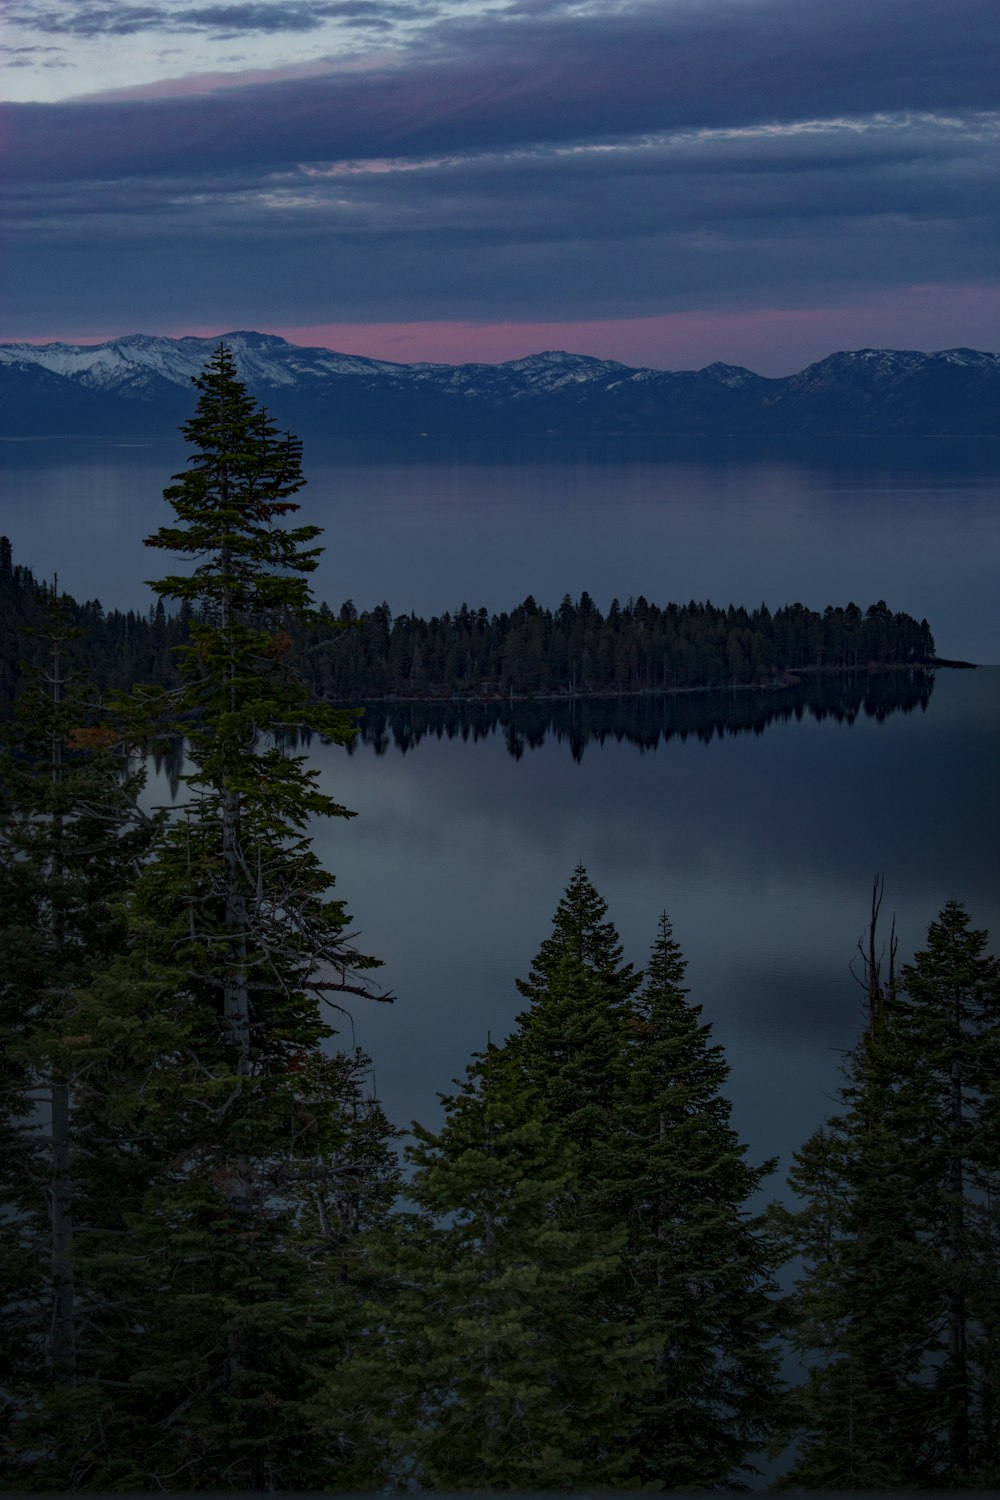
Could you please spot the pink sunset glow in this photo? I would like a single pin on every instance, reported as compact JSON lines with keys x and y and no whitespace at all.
{"x":771,"y":341}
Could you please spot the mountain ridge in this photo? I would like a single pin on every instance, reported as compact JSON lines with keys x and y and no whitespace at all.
{"x":141,"y":382}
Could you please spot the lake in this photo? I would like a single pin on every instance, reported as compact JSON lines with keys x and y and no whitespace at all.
{"x":762,"y":848}
{"x":426,"y":526}
{"x":760,"y":844}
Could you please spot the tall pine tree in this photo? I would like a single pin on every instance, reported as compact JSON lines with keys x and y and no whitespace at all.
{"x":488,"y":1364}
{"x":570,"y":1041}
{"x":897,"y":1311}
{"x":630,"y":1078}
{"x":72,"y":837}
{"x":947,"y":1025}
{"x":217,"y":1257}
{"x":698,"y":1263}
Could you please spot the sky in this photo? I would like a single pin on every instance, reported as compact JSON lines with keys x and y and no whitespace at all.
{"x":664,"y":182}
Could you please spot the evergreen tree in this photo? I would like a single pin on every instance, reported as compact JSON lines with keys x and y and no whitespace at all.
{"x":897,"y":1309}
{"x":697,"y":1265}
{"x":217,"y":1257}
{"x":631,"y":1079}
{"x":947,"y":1021}
{"x":863,"y":1312}
{"x":571,"y":1040}
{"x":489,"y":1366}
{"x":72,"y":837}
{"x":219,"y":1324}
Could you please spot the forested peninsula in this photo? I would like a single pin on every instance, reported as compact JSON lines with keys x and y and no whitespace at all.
{"x":528,"y":652}
{"x":215,"y":1276}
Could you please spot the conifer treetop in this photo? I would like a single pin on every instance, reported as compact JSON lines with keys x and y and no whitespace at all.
{"x":954,"y":955}
{"x":231,"y":500}
{"x":667,"y":964}
{"x":581,"y":932}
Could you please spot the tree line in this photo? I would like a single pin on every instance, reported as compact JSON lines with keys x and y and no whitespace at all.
{"x":115,"y":648}
{"x":213,"y":1273}
{"x":636,"y":648}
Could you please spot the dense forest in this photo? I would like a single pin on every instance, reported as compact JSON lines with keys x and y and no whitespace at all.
{"x":577,"y":651}
{"x":635,"y":648}
{"x":214,"y":1274}
{"x":116,"y":648}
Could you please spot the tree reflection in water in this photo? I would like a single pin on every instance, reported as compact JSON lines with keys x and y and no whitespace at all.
{"x":646,"y":721}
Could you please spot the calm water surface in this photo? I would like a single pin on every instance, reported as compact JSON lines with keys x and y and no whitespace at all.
{"x":914,"y":522}
{"x":761,"y":847}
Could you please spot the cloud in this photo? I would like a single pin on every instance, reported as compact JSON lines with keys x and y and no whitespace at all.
{"x":732,"y":219}
{"x":922,"y":170}
{"x":499,"y":82}
{"x":256,"y":17}
{"x":546,"y":161}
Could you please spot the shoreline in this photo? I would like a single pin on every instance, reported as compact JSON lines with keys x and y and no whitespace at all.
{"x":791,"y":678}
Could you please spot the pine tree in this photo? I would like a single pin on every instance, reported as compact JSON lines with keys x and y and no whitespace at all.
{"x":630,"y":1078}
{"x":489,"y":1367}
{"x":947,"y":1024}
{"x":571,"y":1040}
{"x":698,"y":1265}
{"x":217,"y":1255}
{"x":242,"y":703}
{"x":897,"y":1309}
{"x":862,"y":1314}
{"x":219,"y":1325}
{"x":72,"y":837}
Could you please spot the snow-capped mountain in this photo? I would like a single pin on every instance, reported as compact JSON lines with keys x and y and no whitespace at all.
{"x":142,"y":383}
{"x":131,"y":363}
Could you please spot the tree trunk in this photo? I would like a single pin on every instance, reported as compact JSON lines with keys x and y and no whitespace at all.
{"x":236,"y":990}
{"x":235,"y":982}
{"x":63,"y":1342}
{"x":958,"y":1423}
{"x":63,"y":1289}
{"x":236,"y":996}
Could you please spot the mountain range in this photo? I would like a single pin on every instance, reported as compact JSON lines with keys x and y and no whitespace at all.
{"x":140,"y":385}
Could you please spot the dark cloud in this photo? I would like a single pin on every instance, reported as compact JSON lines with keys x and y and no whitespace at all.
{"x":498,"y":84}
{"x":539,"y":162}
{"x":734,"y":220}
{"x":47,"y":57}
{"x":921,"y":170}
{"x":217,"y":20}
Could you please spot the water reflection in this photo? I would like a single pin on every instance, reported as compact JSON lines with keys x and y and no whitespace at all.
{"x":761,"y":846}
{"x":650,"y":721}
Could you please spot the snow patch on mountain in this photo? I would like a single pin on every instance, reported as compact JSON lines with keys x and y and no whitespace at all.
{"x":555,"y":369}
{"x":893,"y":363}
{"x":127,"y":364}
{"x":734,"y":377}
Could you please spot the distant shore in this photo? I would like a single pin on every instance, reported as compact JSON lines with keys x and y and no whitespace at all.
{"x":789,"y":679}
